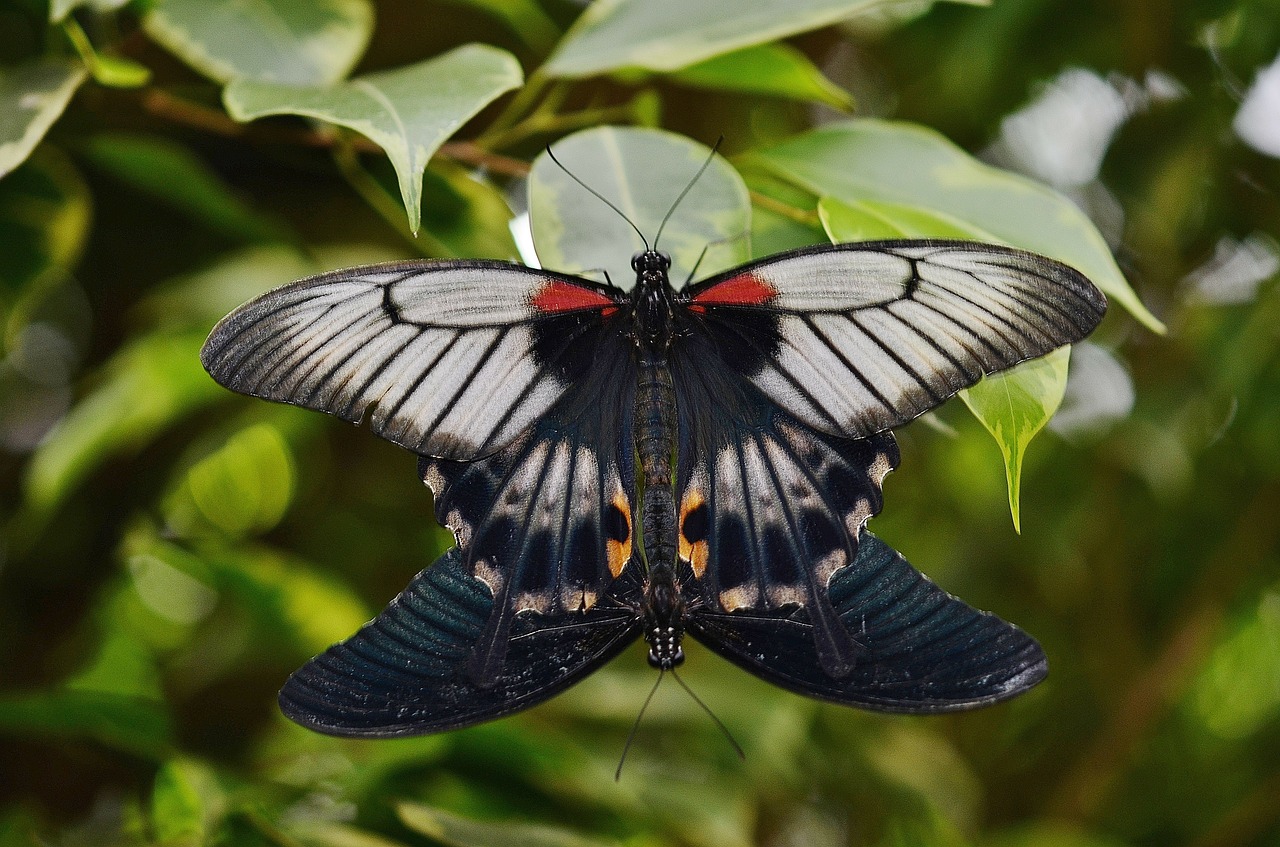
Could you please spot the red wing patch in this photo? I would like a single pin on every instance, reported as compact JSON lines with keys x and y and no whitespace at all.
{"x":560,"y":296}
{"x":742,"y":290}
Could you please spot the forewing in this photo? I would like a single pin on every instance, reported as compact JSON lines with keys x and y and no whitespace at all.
{"x":406,"y":672}
{"x":920,"y":649}
{"x":855,"y":339}
{"x":546,"y":522}
{"x":449,"y":359}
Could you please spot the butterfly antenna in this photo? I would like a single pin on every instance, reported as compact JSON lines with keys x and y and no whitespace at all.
{"x":688,"y":186}
{"x":733,"y":742}
{"x":626,"y":748}
{"x":701,"y":256}
{"x":601,"y":198}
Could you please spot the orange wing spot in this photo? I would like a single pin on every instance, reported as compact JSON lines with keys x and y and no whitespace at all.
{"x":560,"y":296}
{"x":742,"y":290}
{"x":693,"y":531}
{"x":617,"y":533}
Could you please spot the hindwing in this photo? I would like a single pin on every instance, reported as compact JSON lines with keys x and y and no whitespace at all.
{"x":407,"y":671}
{"x":920,"y":649}
{"x":769,"y":509}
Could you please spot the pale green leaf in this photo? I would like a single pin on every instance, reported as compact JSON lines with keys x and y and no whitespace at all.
{"x":1014,"y":405}
{"x":457,"y":831}
{"x":778,"y":70}
{"x":408,"y":111}
{"x":910,"y":165}
{"x":667,"y":35}
{"x":174,"y":175}
{"x":295,"y":42}
{"x":32,"y":96}
{"x":642,"y":172}
{"x":186,"y":803}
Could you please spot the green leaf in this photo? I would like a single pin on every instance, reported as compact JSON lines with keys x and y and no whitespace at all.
{"x":458,"y":831}
{"x":45,"y":214}
{"x":525,"y":18}
{"x":467,"y":217}
{"x":1237,"y":693}
{"x":146,"y":387}
{"x":409,"y":111}
{"x":641,"y":171}
{"x":186,"y":803}
{"x":667,"y":35}
{"x":32,"y":96}
{"x":906,"y":164}
{"x":1014,"y":406}
{"x":174,"y":175}
{"x":243,"y":488}
{"x":294,"y":42}
{"x":777,"y":70}
{"x":291,"y":598}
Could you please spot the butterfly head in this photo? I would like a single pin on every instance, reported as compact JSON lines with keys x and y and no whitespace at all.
{"x":651,"y":264}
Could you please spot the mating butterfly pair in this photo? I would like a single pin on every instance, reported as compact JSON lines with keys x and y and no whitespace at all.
{"x":655,"y":462}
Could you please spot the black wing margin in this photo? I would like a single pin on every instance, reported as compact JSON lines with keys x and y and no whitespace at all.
{"x":855,"y":339}
{"x":406,"y":672}
{"x":920,"y":649}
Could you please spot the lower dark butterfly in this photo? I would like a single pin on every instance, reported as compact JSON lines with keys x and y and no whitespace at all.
{"x":653,"y":463}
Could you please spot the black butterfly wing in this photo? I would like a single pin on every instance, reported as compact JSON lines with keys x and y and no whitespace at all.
{"x":920,"y":649}
{"x":546,"y":522}
{"x":855,"y":339}
{"x":407,"y":671}
{"x":450,"y":359}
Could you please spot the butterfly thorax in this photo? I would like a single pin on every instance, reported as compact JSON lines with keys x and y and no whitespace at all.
{"x":652,"y":299}
{"x":664,"y":611}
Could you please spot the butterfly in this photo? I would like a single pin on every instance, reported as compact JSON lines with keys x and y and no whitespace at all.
{"x":656,"y":462}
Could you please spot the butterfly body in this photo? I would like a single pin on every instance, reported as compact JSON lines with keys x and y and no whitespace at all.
{"x":656,"y":462}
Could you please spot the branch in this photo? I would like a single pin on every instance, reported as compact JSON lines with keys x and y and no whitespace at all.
{"x":176,"y":110}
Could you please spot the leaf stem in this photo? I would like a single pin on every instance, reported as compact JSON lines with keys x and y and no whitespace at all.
{"x":808,"y":217}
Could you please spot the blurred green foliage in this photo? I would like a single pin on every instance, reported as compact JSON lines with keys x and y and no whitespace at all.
{"x":169,"y":552}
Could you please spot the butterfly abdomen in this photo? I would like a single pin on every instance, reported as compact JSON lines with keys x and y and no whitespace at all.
{"x":655,"y":436}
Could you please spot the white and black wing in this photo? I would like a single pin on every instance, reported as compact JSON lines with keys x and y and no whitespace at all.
{"x":448,"y":359}
{"x":857,"y":339}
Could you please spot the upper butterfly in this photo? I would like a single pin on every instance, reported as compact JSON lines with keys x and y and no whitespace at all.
{"x":616,"y":464}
